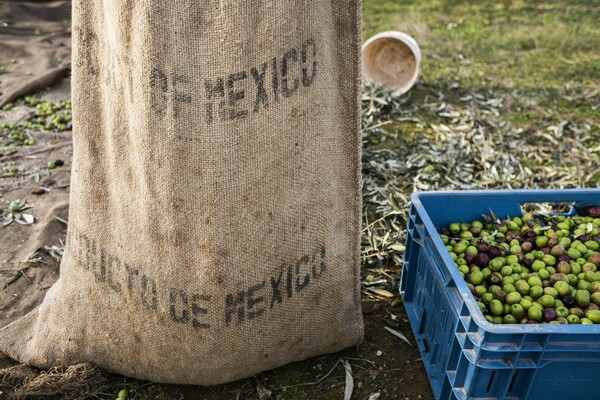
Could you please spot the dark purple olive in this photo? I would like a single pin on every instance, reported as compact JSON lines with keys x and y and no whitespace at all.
{"x":527,"y":262}
{"x":553,"y":241}
{"x":529,"y":234}
{"x":494,"y":252}
{"x":483,"y":248}
{"x":445,"y":231}
{"x":564,"y":258}
{"x":569,"y":301}
{"x":531,"y":321}
{"x":549,"y":314}
{"x":546,"y":250}
{"x":59,"y":163}
{"x":593,"y":211}
{"x":546,"y":283}
{"x":482,"y":260}
{"x":583,"y":238}
{"x":469,"y":258}
{"x":518,"y":239}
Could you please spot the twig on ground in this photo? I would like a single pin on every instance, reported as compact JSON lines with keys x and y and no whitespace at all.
{"x":37,"y":151}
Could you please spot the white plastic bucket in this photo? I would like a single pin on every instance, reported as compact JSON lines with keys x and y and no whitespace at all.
{"x":392,"y":59}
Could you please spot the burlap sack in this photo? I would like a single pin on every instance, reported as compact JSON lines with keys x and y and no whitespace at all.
{"x":215,"y":206}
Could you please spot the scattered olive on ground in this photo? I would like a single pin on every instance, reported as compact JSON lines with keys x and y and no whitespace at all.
{"x":48,"y":116}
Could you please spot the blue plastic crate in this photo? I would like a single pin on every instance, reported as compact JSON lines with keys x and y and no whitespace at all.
{"x":465,"y":356}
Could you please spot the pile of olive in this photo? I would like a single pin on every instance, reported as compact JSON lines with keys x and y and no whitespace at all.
{"x":531,"y":269}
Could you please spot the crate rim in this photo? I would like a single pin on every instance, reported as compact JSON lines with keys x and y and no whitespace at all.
{"x":474,"y":312}
{"x":535,"y":192}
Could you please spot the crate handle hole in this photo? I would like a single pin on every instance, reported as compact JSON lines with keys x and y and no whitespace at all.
{"x":422,"y":324}
{"x":425,"y":346}
{"x":513,"y":379}
{"x":490,"y":382}
{"x":548,"y":208}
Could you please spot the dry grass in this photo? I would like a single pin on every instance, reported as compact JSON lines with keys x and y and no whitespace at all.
{"x":79,"y":381}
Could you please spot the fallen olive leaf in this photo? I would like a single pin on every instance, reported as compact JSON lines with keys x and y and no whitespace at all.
{"x":398,"y":247}
{"x":397,"y":334}
{"x":61,"y":220}
{"x":13,"y":278}
{"x":28,"y":218}
{"x":380,"y":292}
{"x":349,"y":388}
{"x":377,"y":282}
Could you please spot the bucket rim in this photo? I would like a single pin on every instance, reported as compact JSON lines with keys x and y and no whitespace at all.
{"x":412,"y":44}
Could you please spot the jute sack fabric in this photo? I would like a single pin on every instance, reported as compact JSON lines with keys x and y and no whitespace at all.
{"x":215,"y":208}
